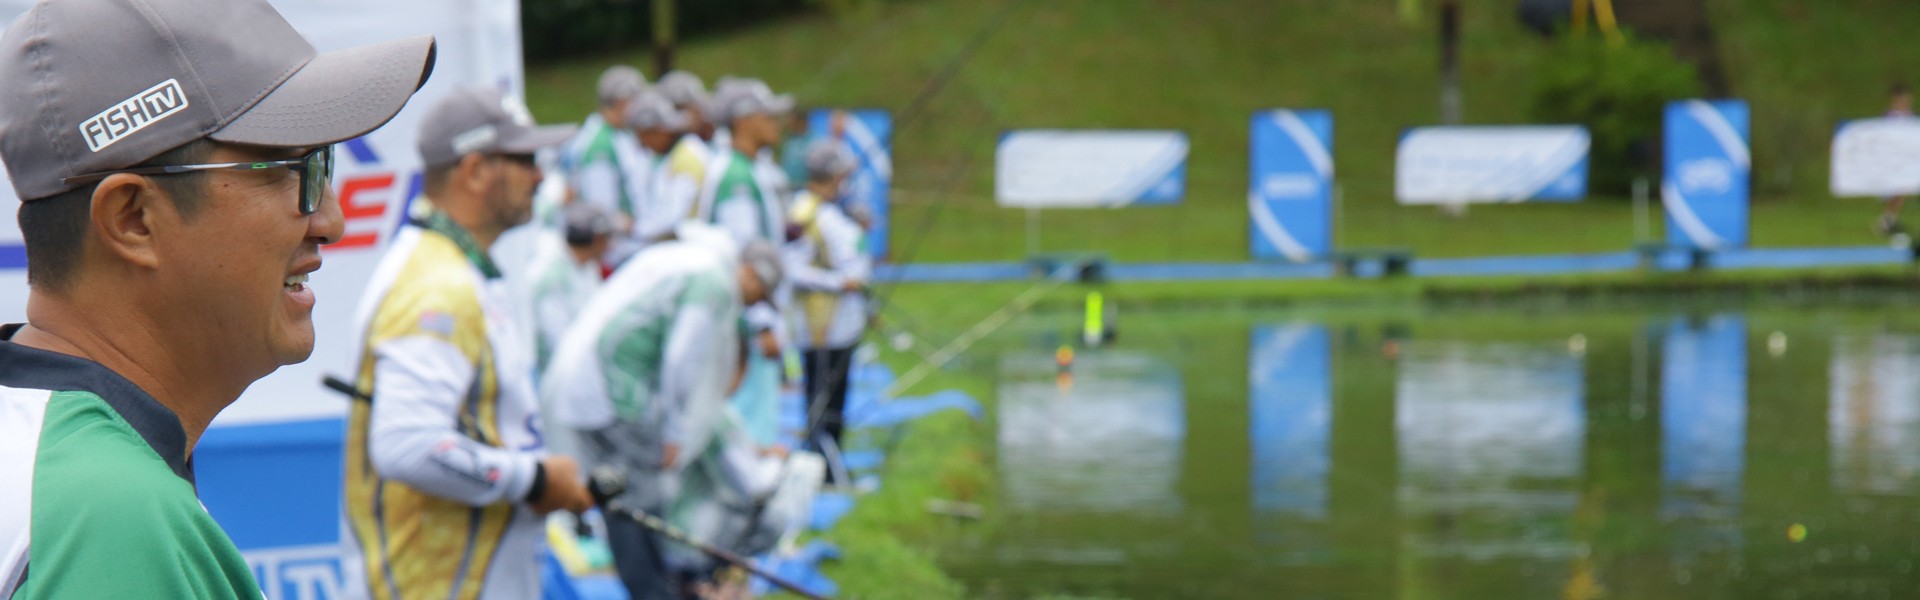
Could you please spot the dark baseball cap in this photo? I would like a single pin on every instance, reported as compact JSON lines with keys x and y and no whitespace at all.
{"x":483,"y":119}
{"x":97,"y":85}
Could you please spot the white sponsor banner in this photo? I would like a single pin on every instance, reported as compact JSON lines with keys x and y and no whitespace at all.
{"x":1458,"y":165}
{"x":478,"y":43}
{"x":1877,"y":158}
{"x":1093,"y":168}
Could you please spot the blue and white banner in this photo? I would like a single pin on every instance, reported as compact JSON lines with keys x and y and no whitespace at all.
{"x":1090,"y":168}
{"x":868,"y":133}
{"x":1877,"y":158}
{"x":1705,"y":185}
{"x":1460,"y":165}
{"x":1290,"y":192}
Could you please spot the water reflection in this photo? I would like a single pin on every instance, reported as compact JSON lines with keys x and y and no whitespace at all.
{"x":1108,"y":439}
{"x":1290,"y":406}
{"x":1636,"y":457}
{"x":1703,"y":425}
{"x":1490,"y":445}
{"x":1875,"y":413}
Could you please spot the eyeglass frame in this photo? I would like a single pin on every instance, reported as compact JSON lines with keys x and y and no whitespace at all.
{"x":310,"y":195}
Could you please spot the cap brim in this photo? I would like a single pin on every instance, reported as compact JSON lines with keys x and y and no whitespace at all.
{"x":782,"y":104}
{"x":534,"y":139}
{"x":337,"y":96}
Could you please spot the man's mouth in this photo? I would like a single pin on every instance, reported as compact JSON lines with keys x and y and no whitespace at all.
{"x":296,"y":283}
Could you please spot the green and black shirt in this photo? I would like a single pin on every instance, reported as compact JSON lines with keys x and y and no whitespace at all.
{"x":96,"y":491}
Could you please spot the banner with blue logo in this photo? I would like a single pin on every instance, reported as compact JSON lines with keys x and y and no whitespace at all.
{"x":1290,"y":192}
{"x":868,"y":133}
{"x":1090,"y":168}
{"x":1704,"y":186}
{"x":1462,"y":165}
{"x":1703,"y":425}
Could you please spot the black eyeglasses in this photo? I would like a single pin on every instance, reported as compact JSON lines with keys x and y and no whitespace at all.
{"x":315,"y":169}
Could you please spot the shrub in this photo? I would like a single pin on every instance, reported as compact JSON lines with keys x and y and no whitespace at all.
{"x":1619,"y":91}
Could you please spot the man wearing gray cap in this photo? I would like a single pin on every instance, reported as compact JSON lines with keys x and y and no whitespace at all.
{"x":830,"y":269}
{"x":643,"y":374}
{"x":173,"y":158}
{"x":606,"y":165}
{"x":735,"y":196}
{"x":445,"y":472}
{"x":680,"y":175}
{"x":565,"y":275}
{"x":669,"y":199}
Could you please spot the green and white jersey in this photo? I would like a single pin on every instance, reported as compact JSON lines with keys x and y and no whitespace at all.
{"x":96,"y":490}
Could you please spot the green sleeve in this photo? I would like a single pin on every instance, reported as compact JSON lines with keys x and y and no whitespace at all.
{"x":110,"y":520}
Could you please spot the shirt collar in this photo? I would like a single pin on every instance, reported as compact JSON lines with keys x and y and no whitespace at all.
{"x":33,"y":368}
{"x":437,"y":221}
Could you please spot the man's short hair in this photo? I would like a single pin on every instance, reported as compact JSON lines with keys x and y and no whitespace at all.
{"x":54,"y":228}
{"x":1899,"y":88}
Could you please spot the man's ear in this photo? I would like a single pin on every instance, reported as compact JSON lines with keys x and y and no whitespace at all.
{"x":126,"y":209}
{"x":471,"y":173}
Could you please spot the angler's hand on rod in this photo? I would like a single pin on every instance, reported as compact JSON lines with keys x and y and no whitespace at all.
{"x":565,"y":490}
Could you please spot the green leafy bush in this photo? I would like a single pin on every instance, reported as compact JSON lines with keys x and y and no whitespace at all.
{"x":1619,"y":91}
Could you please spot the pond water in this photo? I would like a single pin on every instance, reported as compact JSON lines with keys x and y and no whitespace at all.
{"x":1738,"y":453}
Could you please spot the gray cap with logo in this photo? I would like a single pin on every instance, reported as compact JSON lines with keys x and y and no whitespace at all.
{"x":482,"y":119}
{"x":98,"y":85}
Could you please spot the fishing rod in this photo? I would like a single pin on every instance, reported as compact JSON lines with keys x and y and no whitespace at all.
{"x":608,"y":482}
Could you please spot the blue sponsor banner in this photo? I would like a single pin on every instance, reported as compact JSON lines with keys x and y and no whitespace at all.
{"x":1703,"y":425}
{"x":1515,"y":163}
{"x":276,"y":490}
{"x":1090,"y":168}
{"x":1290,"y":187}
{"x":868,"y":133}
{"x":1704,"y":186}
{"x":1290,"y":393}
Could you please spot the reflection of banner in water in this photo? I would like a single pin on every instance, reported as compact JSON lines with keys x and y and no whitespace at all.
{"x":1491,"y":436}
{"x":1112,"y":441}
{"x":1703,"y":431}
{"x":1290,"y":392}
{"x":1874,"y":413}
{"x":1290,"y":404}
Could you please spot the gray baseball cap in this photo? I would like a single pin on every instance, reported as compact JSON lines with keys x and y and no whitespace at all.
{"x":651,"y":110}
{"x":828,"y":158}
{"x":682,"y":88}
{"x":98,"y":85}
{"x":620,"y":83}
{"x":585,"y":221}
{"x":483,"y":119}
{"x":747,"y":97}
{"x":765,"y":261}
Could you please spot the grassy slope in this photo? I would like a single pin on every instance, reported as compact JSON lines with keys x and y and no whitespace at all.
{"x":1203,"y":67}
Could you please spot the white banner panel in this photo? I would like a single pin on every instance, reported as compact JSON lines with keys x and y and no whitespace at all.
{"x":1877,"y":158}
{"x":1458,"y":165}
{"x":1091,"y":168}
{"x":479,"y":43}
